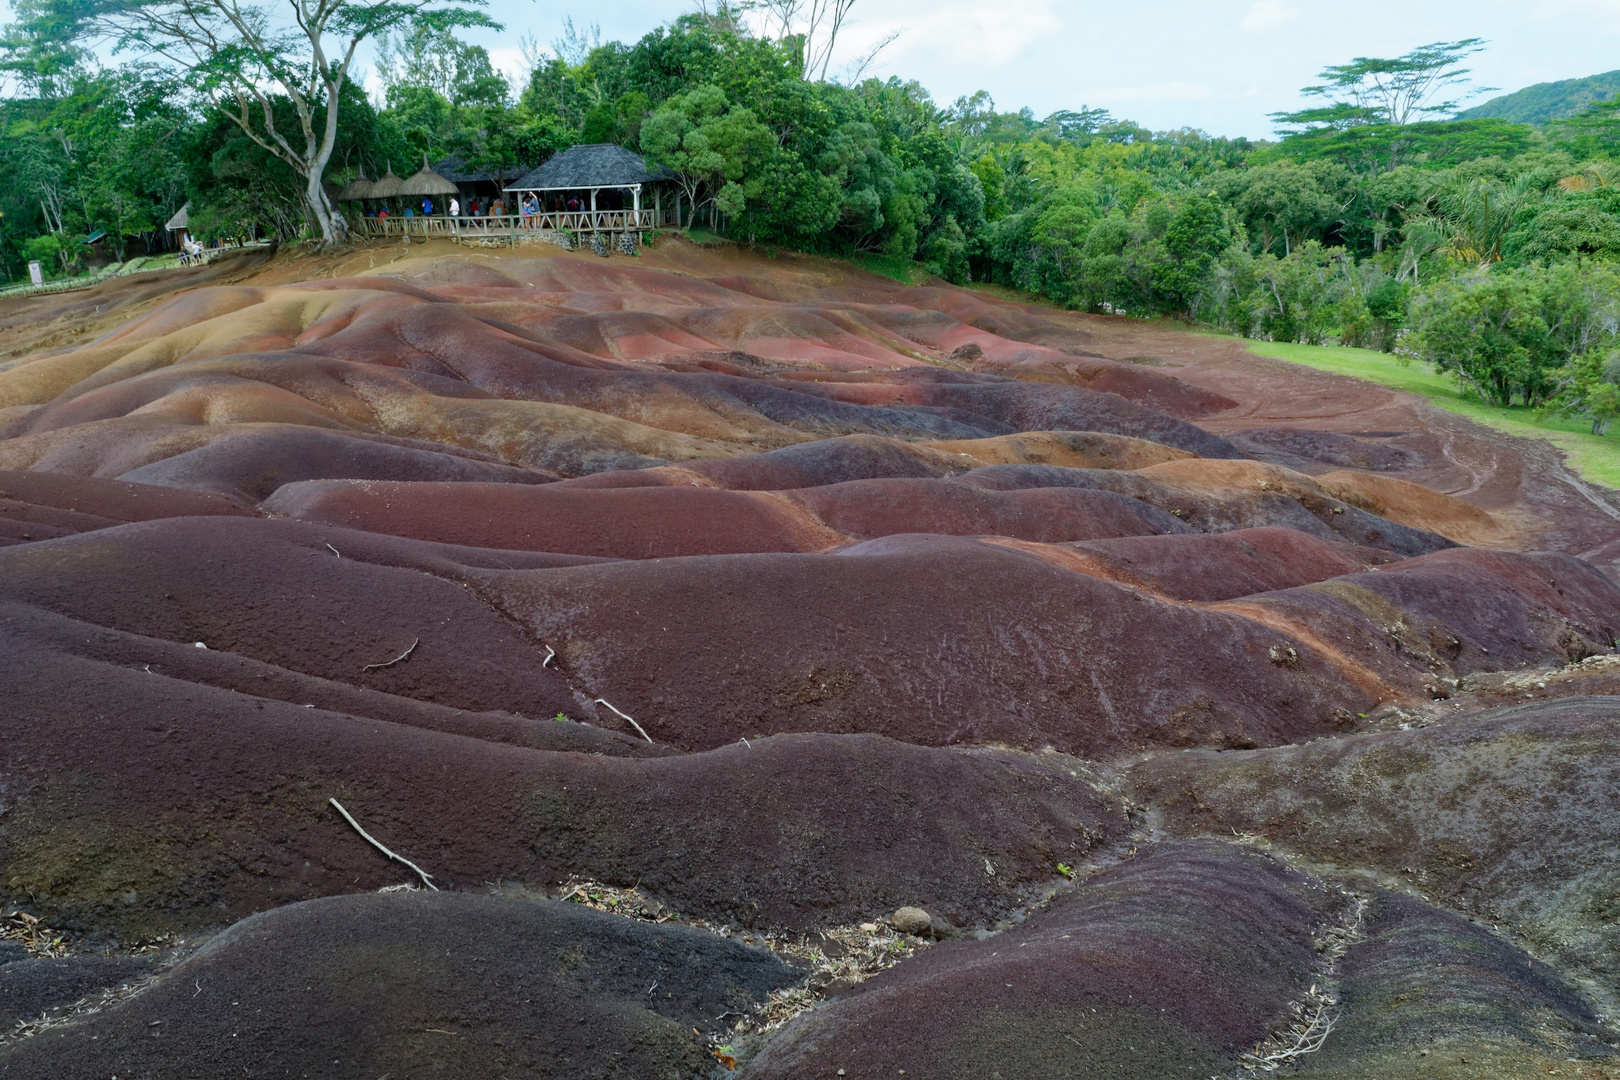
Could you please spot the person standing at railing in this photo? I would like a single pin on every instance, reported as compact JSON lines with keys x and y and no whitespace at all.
{"x":455,"y":207}
{"x":427,"y":207}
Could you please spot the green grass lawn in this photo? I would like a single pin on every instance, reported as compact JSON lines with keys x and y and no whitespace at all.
{"x":1594,"y":457}
{"x":905,"y":271}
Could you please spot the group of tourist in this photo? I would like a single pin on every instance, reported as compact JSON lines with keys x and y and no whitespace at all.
{"x":477,"y":206}
{"x":529,"y":208}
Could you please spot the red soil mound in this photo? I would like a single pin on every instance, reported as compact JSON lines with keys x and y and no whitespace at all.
{"x":40,"y":506}
{"x":1220,"y":508}
{"x":658,"y":522}
{"x":117,"y":824}
{"x":422,"y":984}
{"x":933,"y":639}
{"x":811,"y":464}
{"x":820,"y":830}
{"x":1228,"y":565}
{"x":252,"y":461}
{"x":632,"y":523}
{"x":1166,"y":965}
{"x":1452,"y":613}
{"x":868,"y":509}
{"x":276,"y":593}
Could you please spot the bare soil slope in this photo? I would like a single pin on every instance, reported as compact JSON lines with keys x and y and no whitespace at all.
{"x":1216,"y":713}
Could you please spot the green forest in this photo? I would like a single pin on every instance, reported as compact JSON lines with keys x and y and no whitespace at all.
{"x":1375,"y":218}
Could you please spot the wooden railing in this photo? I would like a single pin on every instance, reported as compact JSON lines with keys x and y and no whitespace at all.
{"x":512,"y":225}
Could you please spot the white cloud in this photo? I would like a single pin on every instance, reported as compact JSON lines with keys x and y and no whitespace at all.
{"x":1264,"y":15}
{"x":508,"y":60}
{"x":964,"y":33}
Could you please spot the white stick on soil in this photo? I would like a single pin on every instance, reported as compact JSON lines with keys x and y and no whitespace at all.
{"x":402,"y":656}
{"x":627,"y":716}
{"x":373,"y":842}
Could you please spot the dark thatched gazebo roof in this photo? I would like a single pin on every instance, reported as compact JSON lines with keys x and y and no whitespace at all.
{"x":358,"y":188}
{"x":597,"y":165}
{"x":387,"y":185}
{"x":426,"y":182}
{"x":455,"y":169}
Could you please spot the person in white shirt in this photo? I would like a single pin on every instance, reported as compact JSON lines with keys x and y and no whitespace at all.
{"x":455,"y":208}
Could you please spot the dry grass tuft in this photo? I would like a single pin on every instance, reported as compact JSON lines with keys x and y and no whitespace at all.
{"x":834,"y":959}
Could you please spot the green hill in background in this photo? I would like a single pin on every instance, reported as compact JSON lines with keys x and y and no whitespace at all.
{"x":1545,"y":102}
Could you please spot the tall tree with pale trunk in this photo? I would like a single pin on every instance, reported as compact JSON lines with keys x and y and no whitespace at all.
{"x":250,"y":61}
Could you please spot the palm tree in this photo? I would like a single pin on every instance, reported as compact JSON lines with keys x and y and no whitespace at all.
{"x":1475,"y":214}
{"x":1597,"y":174}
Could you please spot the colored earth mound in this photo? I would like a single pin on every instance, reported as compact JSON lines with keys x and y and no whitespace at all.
{"x":705,"y":664}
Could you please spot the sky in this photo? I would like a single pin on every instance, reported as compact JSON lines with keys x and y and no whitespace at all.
{"x":1218,"y":65}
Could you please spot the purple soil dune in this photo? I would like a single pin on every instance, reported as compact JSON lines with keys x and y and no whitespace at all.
{"x":1168,"y":964}
{"x":1298,"y":447}
{"x":1533,"y":854}
{"x":1426,"y":993}
{"x":422,"y":984}
{"x":1227,"y":565}
{"x":118,"y":825}
{"x":1222,"y":509}
{"x":933,"y":639}
{"x":869,"y":509}
{"x":251,"y":462}
{"x":810,"y":464}
{"x":659,"y":522}
{"x":31,"y":988}
{"x":787,"y":596}
{"x":42,"y":506}
{"x":277,"y":593}
{"x":821,"y":830}
{"x":1453,"y":613}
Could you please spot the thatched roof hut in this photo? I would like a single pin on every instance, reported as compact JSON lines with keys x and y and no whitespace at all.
{"x":426,"y":182}
{"x":455,"y":169}
{"x":598,"y":165}
{"x":358,"y":188}
{"x":387,"y":185}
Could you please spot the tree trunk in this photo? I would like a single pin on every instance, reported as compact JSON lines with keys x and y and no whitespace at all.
{"x":334,"y":227}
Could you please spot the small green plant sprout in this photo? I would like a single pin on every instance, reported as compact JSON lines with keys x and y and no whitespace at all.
{"x":1066,"y":870}
{"x":562,"y":718}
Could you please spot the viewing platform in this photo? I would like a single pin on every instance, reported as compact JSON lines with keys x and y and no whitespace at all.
{"x":514,"y":227}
